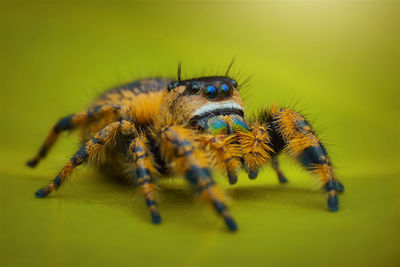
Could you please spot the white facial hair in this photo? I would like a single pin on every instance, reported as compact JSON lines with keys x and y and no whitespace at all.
{"x":215,"y":106}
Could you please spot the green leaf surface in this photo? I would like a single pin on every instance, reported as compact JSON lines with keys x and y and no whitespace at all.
{"x":336,"y":61}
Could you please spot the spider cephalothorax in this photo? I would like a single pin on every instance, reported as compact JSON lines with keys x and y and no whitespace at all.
{"x":156,"y":127}
{"x":196,"y":101}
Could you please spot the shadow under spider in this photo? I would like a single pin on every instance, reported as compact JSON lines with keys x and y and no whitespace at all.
{"x":305,"y":198}
{"x":177,"y":202}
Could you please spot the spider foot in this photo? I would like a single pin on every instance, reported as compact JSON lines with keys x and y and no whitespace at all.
{"x":339,"y":187}
{"x":282,"y":178}
{"x":232,"y":177}
{"x":155,"y":217}
{"x":231,"y":224}
{"x":253,"y":174}
{"x":154,"y":213}
{"x":42,"y":193}
{"x":32,"y":163}
{"x":333,"y":202}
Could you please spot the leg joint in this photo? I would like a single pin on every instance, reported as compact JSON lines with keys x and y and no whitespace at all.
{"x":64,"y":124}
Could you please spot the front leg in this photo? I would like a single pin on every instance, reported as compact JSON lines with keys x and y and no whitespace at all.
{"x":225,"y":154}
{"x":178,"y":147}
{"x":257,"y":148}
{"x":295,"y":136}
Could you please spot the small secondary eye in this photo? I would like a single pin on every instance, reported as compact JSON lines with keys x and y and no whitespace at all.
{"x":234,"y":83}
{"x":211,"y":92}
{"x":172,"y":85}
{"x":226,"y":91}
{"x":194,"y":88}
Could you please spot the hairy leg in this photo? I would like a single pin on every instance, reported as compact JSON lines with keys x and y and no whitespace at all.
{"x":93,"y":150}
{"x":225,"y":154}
{"x":145,"y":171}
{"x":69,"y":123}
{"x":178,"y":147}
{"x":257,"y":149}
{"x":301,"y":142}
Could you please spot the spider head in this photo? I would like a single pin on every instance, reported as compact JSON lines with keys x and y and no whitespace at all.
{"x":206,"y":97}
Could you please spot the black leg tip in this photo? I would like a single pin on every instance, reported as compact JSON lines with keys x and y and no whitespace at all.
{"x":253,"y":174}
{"x":230,"y":222}
{"x":232,"y":178}
{"x":333,"y":203}
{"x":340,"y":187}
{"x":41,"y":193}
{"x":156,"y":218}
{"x":32,"y":163}
{"x":282,"y":179}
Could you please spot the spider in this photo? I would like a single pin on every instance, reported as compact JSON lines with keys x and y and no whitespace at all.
{"x":154,"y":128}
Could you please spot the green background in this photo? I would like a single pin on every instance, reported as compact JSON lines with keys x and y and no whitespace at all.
{"x":337,"y":61}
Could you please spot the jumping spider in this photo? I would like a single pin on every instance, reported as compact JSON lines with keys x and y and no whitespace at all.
{"x":160,"y":127}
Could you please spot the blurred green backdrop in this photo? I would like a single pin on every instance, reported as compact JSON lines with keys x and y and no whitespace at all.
{"x":335,"y":60}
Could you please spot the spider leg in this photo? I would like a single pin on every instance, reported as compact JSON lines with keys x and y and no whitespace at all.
{"x":279,"y":173}
{"x":70,"y":122}
{"x":257,"y":148}
{"x":178,"y":147}
{"x":144,"y":170}
{"x":92,"y":150}
{"x":303,"y":144}
{"x":63,"y":124}
{"x":225,"y":154}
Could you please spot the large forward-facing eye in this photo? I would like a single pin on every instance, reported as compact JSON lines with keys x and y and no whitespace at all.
{"x":226,"y":91}
{"x":211,"y":92}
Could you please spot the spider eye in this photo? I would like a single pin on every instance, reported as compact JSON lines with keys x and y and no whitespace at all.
{"x":172,"y":85}
{"x":194,"y":88}
{"x":211,"y":92}
{"x":234,"y":83}
{"x":226,"y":91}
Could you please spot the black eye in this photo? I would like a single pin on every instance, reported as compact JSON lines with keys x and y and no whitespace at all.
{"x":234,"y":83}
{"x":194,"y":88}
{"x":172,"y":85}
{"x":210,"y":92}
{"x":226,"y":91}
